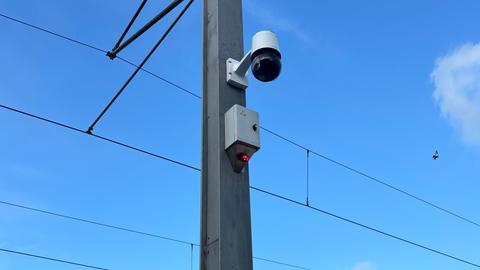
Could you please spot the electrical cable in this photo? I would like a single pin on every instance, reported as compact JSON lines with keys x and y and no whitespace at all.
{"x":377,"y":180}
{"x":51,"y":259}
{"x":367,"y":176}
{"x":284,"y":264}
{"x":254,"y":188}
{"x":292,"y":142}
{"x":52,"y":33}
{"x":98,"y":137}
{"x":356,"y":223}
{"x":92,"y":222}
{"x":161,"y":78}
{"x":98,"y":50}
{"x":125,"y":229}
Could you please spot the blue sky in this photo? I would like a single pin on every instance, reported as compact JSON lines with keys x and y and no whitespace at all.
{"x":378,"y":85}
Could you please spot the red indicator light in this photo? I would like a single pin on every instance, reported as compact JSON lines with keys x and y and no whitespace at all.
{"x":243,"y":157}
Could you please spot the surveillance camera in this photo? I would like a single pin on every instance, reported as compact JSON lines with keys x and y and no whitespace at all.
{"x":264,"y":57}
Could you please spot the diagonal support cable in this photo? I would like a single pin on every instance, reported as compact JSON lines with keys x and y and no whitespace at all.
{"x":113,"y":53}
{"x":129,"y":25}
{"x":172,"y":25}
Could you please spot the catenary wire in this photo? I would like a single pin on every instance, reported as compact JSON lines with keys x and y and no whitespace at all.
{"x":119,"y":92}
{"x":356,"y":223}
{"x":125,"y":229}
{"x":98,"y":50}
{"x":98,"y":137}
{"x":92,"y":222}
{"x":363,"y":174}
{"x":375,"y":179}
{"x":284,"y":264}
{"x":263,"y":128}
{"x":161,"y":78}
{"x":53,"y":33}
{"x":51,"y":259}
{"x":310,"y":207}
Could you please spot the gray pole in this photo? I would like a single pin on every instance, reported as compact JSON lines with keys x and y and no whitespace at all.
{"x":226,"y":241}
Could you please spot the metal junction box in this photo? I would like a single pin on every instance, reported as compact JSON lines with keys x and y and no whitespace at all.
{"x":242,"y":135}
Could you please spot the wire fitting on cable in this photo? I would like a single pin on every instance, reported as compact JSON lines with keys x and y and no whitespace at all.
{"x":111,"y":55}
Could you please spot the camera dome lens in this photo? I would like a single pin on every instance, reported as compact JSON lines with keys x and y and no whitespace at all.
{"x":266,"y":66}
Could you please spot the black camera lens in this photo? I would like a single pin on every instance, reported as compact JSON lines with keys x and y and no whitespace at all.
{"x":266,"y":66}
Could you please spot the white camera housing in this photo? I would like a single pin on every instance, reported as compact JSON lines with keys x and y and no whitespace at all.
{"x":264,"y":57}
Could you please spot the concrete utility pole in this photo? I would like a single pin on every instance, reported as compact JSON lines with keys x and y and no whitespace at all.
{"x":226,"y":241}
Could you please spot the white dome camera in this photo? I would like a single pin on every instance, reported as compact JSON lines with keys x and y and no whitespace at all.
{"x":264,"y":57}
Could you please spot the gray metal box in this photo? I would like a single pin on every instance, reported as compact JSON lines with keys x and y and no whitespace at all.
{"x":242,"y":127}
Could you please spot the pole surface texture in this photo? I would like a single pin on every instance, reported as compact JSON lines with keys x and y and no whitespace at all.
{"x":226,"y":240}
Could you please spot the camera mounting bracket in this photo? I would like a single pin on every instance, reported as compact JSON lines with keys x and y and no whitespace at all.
{"x":237,"y":71}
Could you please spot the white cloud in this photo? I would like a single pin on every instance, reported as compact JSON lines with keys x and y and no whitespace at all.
{"x":363,"y":265}
{"x":368,"y":265}
{"x":277,"y":21}
{"x":457,"y":90}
